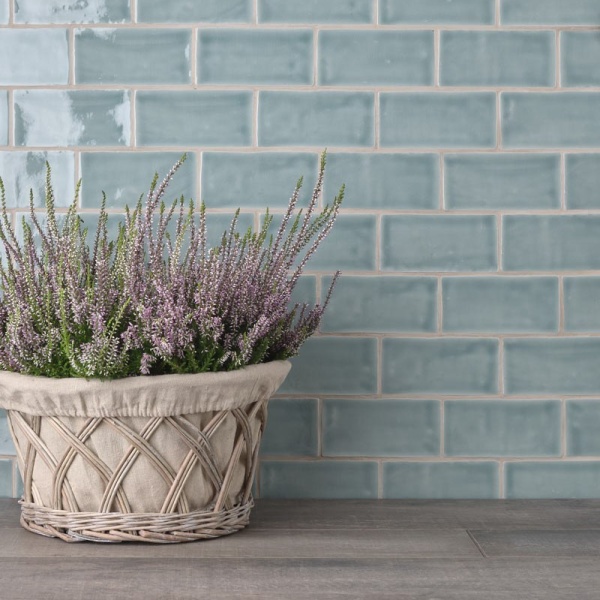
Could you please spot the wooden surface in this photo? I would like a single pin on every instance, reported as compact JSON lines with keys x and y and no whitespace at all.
{"x":326,"y":550}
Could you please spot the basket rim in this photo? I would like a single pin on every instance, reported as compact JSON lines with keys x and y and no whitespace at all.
{"x":141,"y":396}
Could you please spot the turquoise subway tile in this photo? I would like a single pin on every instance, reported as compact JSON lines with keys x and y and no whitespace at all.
{"x":124,"y":176}
{"x":195,"y":118}
{"x":551,"y":242}
{"x":456,"y":12}
{"x":552,"y":365}
{"x":4,"y":11}
{"x":72,"y":118}
{"x":438,"y":243}
{"x":381,"y":304}
{"x":7,"y":447}
{"x":6,"y":469}
{"x":149,"y":56}
{"x":318,"y":479}
{"x":381,"y":427}
{"x":442,"y":119}
{"x":552,"y":480}
{"x":305,"y":291}
{"x":292,"y":428}
{"x":500,"y":58}
{"x":492,"y":181}
{"x":34,"y":56}
{"x":316,"y":119}
{"x":579,"y":58}
{"x":440,"y":366}
{"x":3,"y":118}
{"x":349,"y":246}
{"x":551,"y":12}
{"x":192,"y":11}
{"x":583,"y":421}
{"x":25,"y":171}
{"x":19,"y":493}
{"x":257,"y":179}
{"x":376,"y":58}
{"x":255,"y":56}
{"x":72,"y":11}
{"x":399,"y":181}
{"x":582,"y":180}
{"x":500,"y":304}
{"x":582,"y":304}
{"x":315,"y":11}
{"x":218,"y":223}
{"x":334,"y":365}
{"x":444,"y":480}
{"x":538,"y":120}
{"x":486,"y":428}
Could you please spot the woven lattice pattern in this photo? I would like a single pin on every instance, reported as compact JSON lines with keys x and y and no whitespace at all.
{"x":150,"y":479}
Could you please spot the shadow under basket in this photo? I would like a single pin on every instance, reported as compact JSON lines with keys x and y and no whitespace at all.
{"x":161,"y":459}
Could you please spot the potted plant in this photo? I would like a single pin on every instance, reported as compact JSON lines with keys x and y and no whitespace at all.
{"x":136,"y":370}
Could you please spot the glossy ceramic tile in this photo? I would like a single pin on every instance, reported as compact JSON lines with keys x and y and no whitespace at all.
{"x":396,"y":181}
{"x":579,"y":53}
{"x":7,"y":447}
{"x":381,"y":304}
{"x":315,"y":11}
{"x":305,"y":291}
{"x":334,"y":365}
{"x":493,"y":181}
{"x":6,"y":478}
{"x":552,"y":365}
{"x":350,"y":245}
{"x":551,"y":12}
{"x":72,"y":118}
{"x":442,"y":119}
{"x":316,"y":119}
{"x":582,"y":304}
{"x":265,"y":179}
{"x":498,"y":58}
{"x":552,"y":480}
{"x":34,"y":56}
{"x":3,"y":117}
{"x":583,"y":421}
{"x":196,"y":118}
{"x":72,"y":11}
{"x":447,"y":480}
{"x":291,"y":428}
{"x":548,"y":242}
{"x":381,"y":427}
{"x":485,"y":428}
{"x":4,"y":11}
{"x":500,"y":304}
{"x":376,"y":57}
{"x":191,"y":11}
{"x":25,"y":171}
{"x":438,"y":243}
{"x":149,"y":56}
{"x":441,"y":366}
{"x":536,"y":120}
{"x":322,"y":479}
{"x":125,"y":176}
{"x":255,"y":56}
{"x":218,"y":223}
{"x":582,"y":180}
{"x":455,"y":12}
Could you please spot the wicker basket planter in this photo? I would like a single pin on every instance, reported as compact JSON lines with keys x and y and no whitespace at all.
{"x":161,"y":459}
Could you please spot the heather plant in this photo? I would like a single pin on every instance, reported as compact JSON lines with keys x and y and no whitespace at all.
{"x":156,"y":299}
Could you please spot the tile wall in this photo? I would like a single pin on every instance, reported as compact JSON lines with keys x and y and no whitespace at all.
{"x":460,"y":357}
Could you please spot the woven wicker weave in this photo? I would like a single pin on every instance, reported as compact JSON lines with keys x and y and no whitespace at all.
{"x":162,"y":479}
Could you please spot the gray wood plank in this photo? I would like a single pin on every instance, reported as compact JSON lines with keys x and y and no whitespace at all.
{"x":426,"y":514}
{"x":260,"y":543}
{"x":9,"y":512}
{"x":284,"y":579}
{"x":565,"y":543}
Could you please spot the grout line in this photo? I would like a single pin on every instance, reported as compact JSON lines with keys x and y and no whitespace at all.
{"x":501,"y":388}
{"x":380,"y":479}
{"x":255,"y":100}
{"x":561,"y":304}
{"x":442,"y":428}
{"x":499,"y":243}
{"x":77,"y":172}
{"x":255,"y":12}
{"x":10,"y":100}
{"x":379,"y":392}
{"x":315,"y":49}
{"x":438,"y":459}
{"x":442,"y":182}
{"x":71,"y":51}
{"x":498,"y":121}
{"x":133,"y":119}
{"x":378,"y":240}
{"x":440,"y":305}
{"x":436,"y":58}
{"x":563,"y":428}
{"x":319,"y":427}
{"x":501,"y":479}
{"x":199,"y":166}
{"x":376,"y":12}
{"x":11,"y":12}
{"x":377,"y":119}
{"x":194,"y":57}
{"x":318,"y":288}
{"x":497,"y":14}
{"x":557,"y":77}
{"x":563,"y":182}
{"x":133,"y":9}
